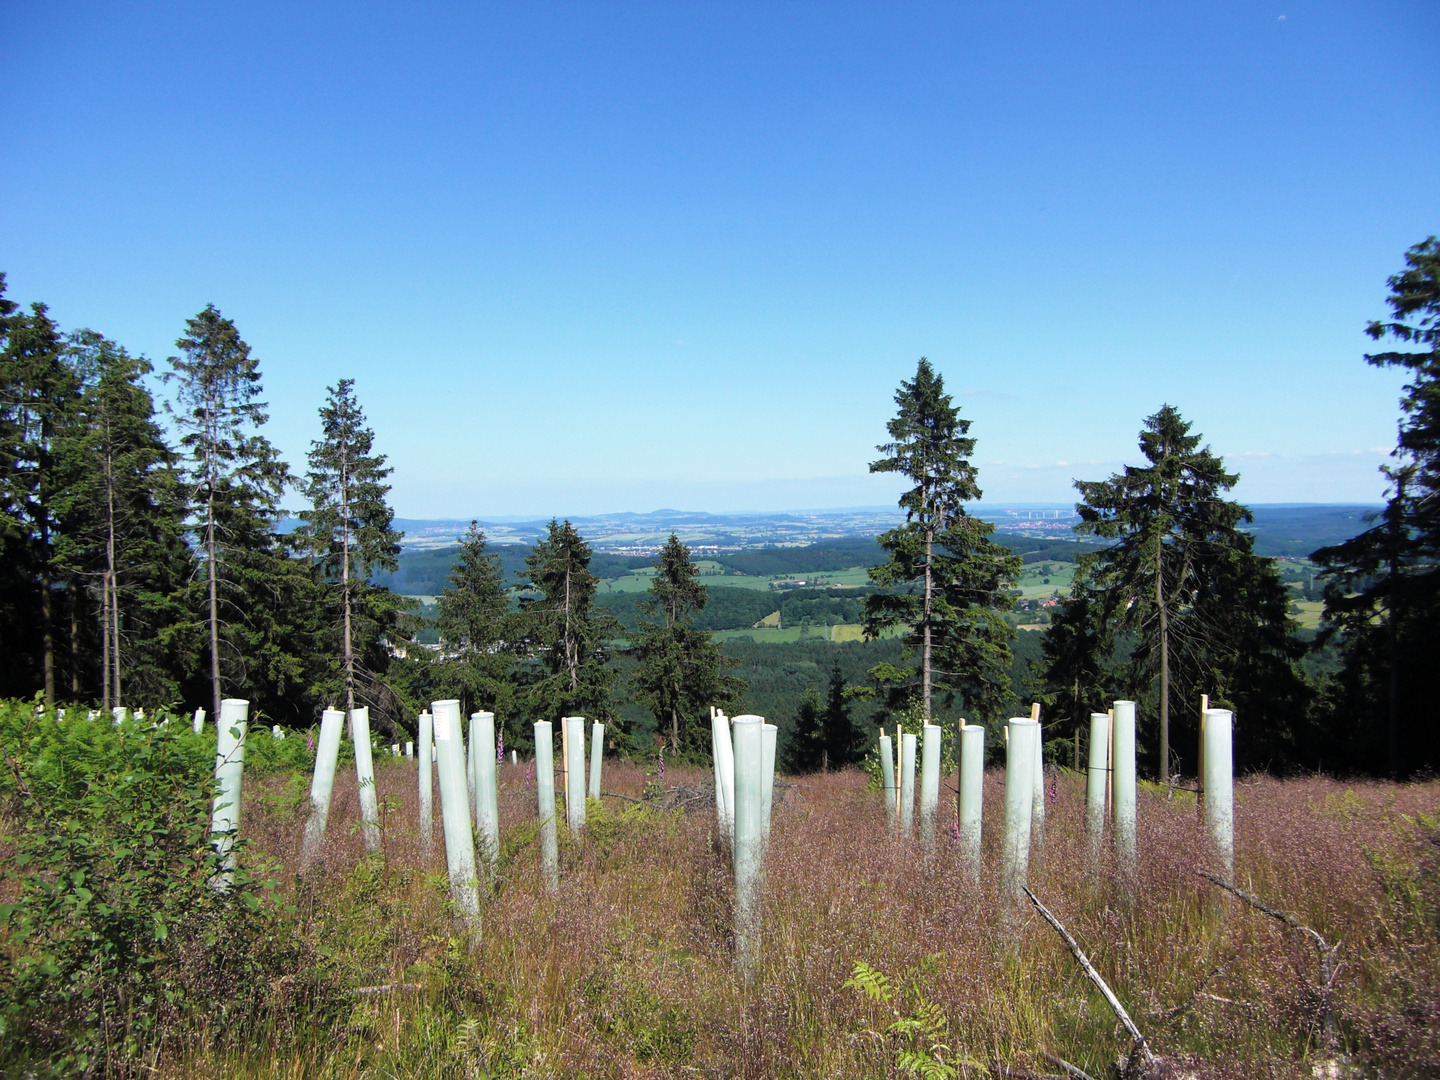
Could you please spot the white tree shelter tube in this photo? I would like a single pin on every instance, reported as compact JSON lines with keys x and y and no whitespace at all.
{"x":229,"y":774}
{"x":887,"y":778}
{"x":725,"y":766}
{"x":597,"y":757}
{"x":487,"y":793}
{"x":929,"y":782}
{"x":1095,"y":778}
{"x":1219,"y":783}
{"x":748,"y":734}
{"x":427,"y":806}
{"x":198,"y":724}
{"x":455,"y":810}
{"x":575,"y":774}
{"x":768,"y":734}
{"x":972,"y":794}
{"x":1123,"y":779}
{"x":365,"y":778}
{"x":545,"y":793}
{"x":322,"y":784}
{"x":907,"y":784}
{"x":1019,"y":802}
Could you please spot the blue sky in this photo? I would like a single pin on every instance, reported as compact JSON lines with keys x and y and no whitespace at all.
{"x":588,"y":258}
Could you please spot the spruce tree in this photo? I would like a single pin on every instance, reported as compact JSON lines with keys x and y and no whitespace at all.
{"x":38,"y":398}
{"x":680,"y":671}
{"x":235,"y":480}
{"x":477,"y":630}
{"x":945,"y":579}
{"x":565,"y":633}
{"x":1180,"y":578}
{"x":347,"y":531}
{"x":127,"y":520}
{"x":1382,"y":587}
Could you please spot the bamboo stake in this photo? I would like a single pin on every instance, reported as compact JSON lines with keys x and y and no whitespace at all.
{"x":1200,"y":767}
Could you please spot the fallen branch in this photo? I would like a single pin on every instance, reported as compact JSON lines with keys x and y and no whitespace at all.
{"x":1323,"y":949}
{"x":1137,"y":1041}
{"x":386,"y":988}
{"x":1069,"y":1070}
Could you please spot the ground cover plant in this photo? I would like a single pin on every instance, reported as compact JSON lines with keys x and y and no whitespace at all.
{"x":880,"y":959}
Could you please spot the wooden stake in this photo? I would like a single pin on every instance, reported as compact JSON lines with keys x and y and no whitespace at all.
{"x":1110,"y":773}
{"x":1200,"y":768}
{"x":564,"y":747}
{"x":1035,"y":711}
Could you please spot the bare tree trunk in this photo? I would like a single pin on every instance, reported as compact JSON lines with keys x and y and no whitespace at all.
{"x":345,"y":575}
{"x":105,"y":641}
{"x":571,"y":659}
{"x":115,"y":632}
{"x":674,"y":728}
{"x":47,"y":615}
{"x":71,"y":593}
{"x":112,"y":592}
{"x":1164,"y":667}
{"x":210,"y":567}
{"x":925,"y":619}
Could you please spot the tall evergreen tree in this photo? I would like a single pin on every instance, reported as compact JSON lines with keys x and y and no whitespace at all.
{"x":38,"y":398}
{"x":945,"y":578}
{"x":477,"y":629}
{"x":1180,"y":578}
{"x":347,"y":532}
{"x":565,"y":632}
{"x":681,"y":671}
{"x":1382,"y":588}
{"x":236,"y":479}
{"x":126,"y":514}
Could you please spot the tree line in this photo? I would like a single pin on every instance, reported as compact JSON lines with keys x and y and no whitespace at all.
{"x":145,"y":565}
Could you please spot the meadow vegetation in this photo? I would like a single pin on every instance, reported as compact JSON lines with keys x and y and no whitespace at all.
{"x":357,"y":968}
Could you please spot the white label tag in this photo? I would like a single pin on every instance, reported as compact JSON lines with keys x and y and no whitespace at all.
{"x":442,"y":728}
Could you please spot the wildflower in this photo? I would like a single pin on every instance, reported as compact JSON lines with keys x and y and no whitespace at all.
{"x":954,"y":831}
{"x":1054,"y":789}
{"x":500,"y":747}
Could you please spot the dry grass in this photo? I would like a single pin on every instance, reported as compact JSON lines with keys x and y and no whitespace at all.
{"x":627,"y":971}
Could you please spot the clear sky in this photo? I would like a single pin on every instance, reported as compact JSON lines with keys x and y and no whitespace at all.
{"x":588,"y":258}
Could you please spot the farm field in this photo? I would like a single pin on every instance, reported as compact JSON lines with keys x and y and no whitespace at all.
{"x":627,"y":970}
{"x":776,"y":635}
{"x":1044,"y":578}
{"x":639,"y":580}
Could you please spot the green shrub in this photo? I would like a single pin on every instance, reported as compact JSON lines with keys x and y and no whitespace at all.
{"x":116,"y":929}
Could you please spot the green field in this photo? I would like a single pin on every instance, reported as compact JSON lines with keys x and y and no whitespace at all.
{"x":1045,"y":578}
{"x":712,"y":573}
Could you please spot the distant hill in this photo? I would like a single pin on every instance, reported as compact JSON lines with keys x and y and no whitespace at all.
{"x":1299,"y":529}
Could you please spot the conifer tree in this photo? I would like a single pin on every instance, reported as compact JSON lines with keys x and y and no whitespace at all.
{"x":1180,"y":576}
{"x":127,"y":519}
{"x":38,"y":396}
{"x":235,"y":479}
{"x":347,"y":531}
{"x":477,"y":629}
{"x":945,"y":579}
{"x":1382,"y":587}
{"x":680,"y":672}
{"x":565,"y":633}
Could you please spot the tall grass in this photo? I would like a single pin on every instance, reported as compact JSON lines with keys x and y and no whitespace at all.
{"x":627,"y":970}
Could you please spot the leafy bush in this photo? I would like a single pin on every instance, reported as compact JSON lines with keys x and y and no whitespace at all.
{"x":115,"y":927}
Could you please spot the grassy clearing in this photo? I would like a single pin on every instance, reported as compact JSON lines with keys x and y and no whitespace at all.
{"x":639,"y":580}
{"x":626,"y":972}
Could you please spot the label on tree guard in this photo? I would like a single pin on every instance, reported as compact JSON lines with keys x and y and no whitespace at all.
{"x":442,"y":728}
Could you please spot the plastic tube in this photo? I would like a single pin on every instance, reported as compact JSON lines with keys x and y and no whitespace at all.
{"x":229,"y":775}
{"x":410,"y":751}
{"x":322,"y":784}
{"x":929,"y":781}
{"x":575,"y":774}
{"x":972,"y":794}
{"x":1220,"y":786}
{"x":365,"y":778}
{"x":907,"y":784}
{"x":427,"y":807}
{"x":487,"y":794}
{"x":1099,"y":769}
{"x":1037,"y":804}
{"x":455,"y":810}
{"x":1019,"y":802}
{"x":198,"y":724}
{"x":597,"y":757}
{"x":768,"y":734}
{"x":748,"y":853}
{"x":1123,"y":779}
{"x":725,"y":766}
{"x":545,"y":792}
{"x":887,"y":778}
